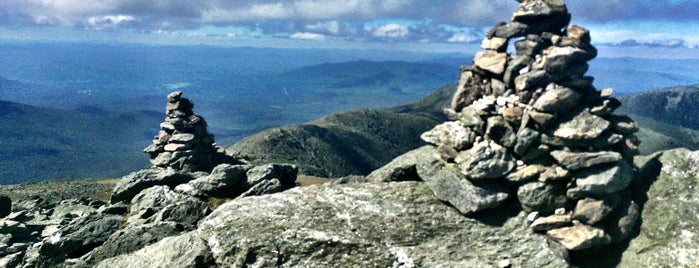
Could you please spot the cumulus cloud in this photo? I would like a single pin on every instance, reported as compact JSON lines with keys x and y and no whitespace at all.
{"x":391,"y":31}
{"x":109,"y":21}
{"x":308,"y":36}
{"x":666,"y":43}
{"x":332,"y":27}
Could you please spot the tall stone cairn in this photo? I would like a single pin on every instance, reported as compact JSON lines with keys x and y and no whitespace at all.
{"x":183,"y":142}
{"x":534,"y":123}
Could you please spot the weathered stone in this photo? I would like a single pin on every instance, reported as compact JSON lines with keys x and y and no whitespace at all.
{"x":555,"y":173}
{"x":508,"y":31}
{"x":526,"y":138}
{"x":366,"y":225}
{"x":557,"y":100}
{"x":452,"y":134}
{"x":558,"y":59}
{"x":530,"y":46}
{"x":132,"y":184}
{"x":579,"y":33}
{"x":555,"y":221}
{"x":471,"y":118}
{"x":132,"y":238}
{"x":187,"y":212}
{"x":579,"y":236}
{"x":535,"y":10}
{"x":579,"y":160}
{"x":183,"y":138}
{"x":530,"y":80}
{"x":513,"y":115}
{"x":500,"y":131}
{"x":514,"y":66}
{"x":285,"y":173}
{"x":602,"y":180}
{"x":608,"y":106}
{"x":622,"y":222}
{"x":669,"y":233}
{"x":149,"y":201}
{"x":496,"y":43}
{"x":469,"y":89}
{"x":486,"y":160}
{"x":79,"y":236}
{"x":450,"y":186}
{"x":404,"y":167}
{"x":623,"y":124}
{"x":583,"y":126}
{"x":225,"y":181}
{"x":542,"y":197}
{"x":525,"y":173}
{"x":491,"y":61}
{"x":270,"y":186}
{"x":590,"y":211}
{"x":543,"y":119}
{"x":186,"y":251}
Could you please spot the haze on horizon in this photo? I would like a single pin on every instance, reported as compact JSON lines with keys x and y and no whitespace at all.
{"x":644,"y":28}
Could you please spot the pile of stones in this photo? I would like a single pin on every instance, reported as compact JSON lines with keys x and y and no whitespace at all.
{"x":183,"y":142}
{"x":534,"y":124}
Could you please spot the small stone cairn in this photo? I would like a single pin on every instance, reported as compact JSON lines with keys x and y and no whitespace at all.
{"x":534,"y":123}
{"x":183,"y":142}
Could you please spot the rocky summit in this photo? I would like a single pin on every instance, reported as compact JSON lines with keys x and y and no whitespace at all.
{"x":533,"y":169}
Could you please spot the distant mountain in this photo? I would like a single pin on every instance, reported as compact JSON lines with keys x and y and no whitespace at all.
{"x":346,"y":143}
{"x":38,"y":144}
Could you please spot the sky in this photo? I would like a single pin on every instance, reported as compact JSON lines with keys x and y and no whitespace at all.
{"x":666,"y":27}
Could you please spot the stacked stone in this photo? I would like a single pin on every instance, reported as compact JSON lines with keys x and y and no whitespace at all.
{"x":183,"y":142}
{"x":533,"y":122}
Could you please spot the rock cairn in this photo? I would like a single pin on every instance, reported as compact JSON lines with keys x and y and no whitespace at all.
{"x":535,"y":124}
{"x":183,"y":142}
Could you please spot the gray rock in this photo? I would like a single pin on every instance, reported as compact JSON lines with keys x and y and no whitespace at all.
{"x":80,"y":236}
{"x":225,"y":181}
{"x":403,"y":167}
{"x":486,"y":160}
{"x":285,"y":173}
{"x":557,"y":100}
{"x":579,"y":160}
{"x":271,"y":186}
{"x":450,"y":186}
{"x":559,"y":60}
{"x":580,"y":236}
{"x":583,"y":126}
{"x":150,"y":201}
{"x":11,"y":260}
{"x":187,"y":212}
{"x":452,"y":134}
{"x":513,"y":67}
{"x":491,"y":61}
{"x":134,"y":183}
{"x":5,"y":206}
{"x":535,"y":10}
{"x":602,"y":180}
{"x":185,"y":251}
{"x":507,"y":31}
{"x":669,"y":232}
{"x":525,"y":173}
{"x":542,"y":197}
{"x":555,"y":173}
{"x":526,"y":138}
{"x":471,"y":118}
{"x":590,"y":211}
{"x":622,"y":222}
{"x":623,"y":124}
{"x":133,"y":238}
{"x":366,"y":225}
{"x":530,"y":80}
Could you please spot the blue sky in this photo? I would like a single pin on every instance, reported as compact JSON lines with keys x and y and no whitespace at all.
{"x":619,"y":27}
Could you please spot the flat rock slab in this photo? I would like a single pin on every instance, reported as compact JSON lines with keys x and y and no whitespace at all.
{"x":580,"y":236}
{"x":366,"y":225}
{"x":575,"y":161}
{"x":670,"y":231}
{"x":603,"y":180}
{"x":486,"y":160}
{"x":584,"y":126}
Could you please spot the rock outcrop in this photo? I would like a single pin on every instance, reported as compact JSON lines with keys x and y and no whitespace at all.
{"x":531,"y":126}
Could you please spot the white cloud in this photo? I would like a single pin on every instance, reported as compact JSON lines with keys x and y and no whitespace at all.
{"x":461,"y":38}
{"x":332,"y":27}
{"x":392,"y":31}
{"x":109,"y":21}
{"x":308,"y":36}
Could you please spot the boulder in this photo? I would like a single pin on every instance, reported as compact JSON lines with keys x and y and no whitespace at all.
{"x":590,"y":211}
{"x":80,"y":236}
{"x":452,"y":187}
{"x":225,"y":181}
{"x":557,"y":100}
{"x":134,"y":183}
{"x":669,"y":234}
{"x":185,"y":251}
{"x":285,"y":173}
{"x":403,"y":167}
{"x":133,"y":238}
{"x":366,"y":225}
